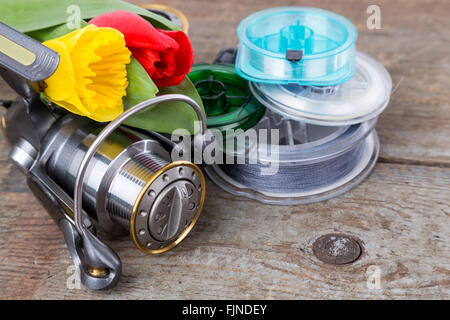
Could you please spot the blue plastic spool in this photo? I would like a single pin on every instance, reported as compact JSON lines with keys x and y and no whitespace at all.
{"x":300,"y":45}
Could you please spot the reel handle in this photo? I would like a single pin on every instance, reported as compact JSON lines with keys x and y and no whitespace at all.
{"x":99,"y":274}
{"x":99,"y":266}
{"x":25,"y":56}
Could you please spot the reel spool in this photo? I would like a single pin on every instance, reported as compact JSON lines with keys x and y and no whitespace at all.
{"x":227,"y":99}
{"x":314,"y":162}
{"x":131,"y":183}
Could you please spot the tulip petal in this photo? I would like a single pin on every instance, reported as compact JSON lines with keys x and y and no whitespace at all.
{"x":184,"y":59}
{"x":167,"y":56}
{"x":138,"y":31}
{"x":146,"y":58}
{"x":173,"y":80}
{"x":184,"y":56}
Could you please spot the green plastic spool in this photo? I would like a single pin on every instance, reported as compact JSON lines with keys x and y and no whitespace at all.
{"x":227,"y":99}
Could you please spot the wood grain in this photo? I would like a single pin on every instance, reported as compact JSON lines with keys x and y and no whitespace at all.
{"x":243,"y":249}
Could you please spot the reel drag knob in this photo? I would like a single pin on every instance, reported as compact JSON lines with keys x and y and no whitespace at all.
{"x":158,"y":201}
{"x":168,"y":207}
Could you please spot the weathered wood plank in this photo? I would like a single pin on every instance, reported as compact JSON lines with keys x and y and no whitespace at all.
{"x":242,"y":249}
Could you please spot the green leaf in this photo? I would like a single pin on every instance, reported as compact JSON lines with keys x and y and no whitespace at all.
{"x":31,"y":15}
{"x":53,"y":32}
{"x":141,"y":87}
{"x":169,"y":116}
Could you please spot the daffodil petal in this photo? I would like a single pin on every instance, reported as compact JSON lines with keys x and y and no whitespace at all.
{"x":91,"y":79}
{"x":107,"y":114}
{"x":56,"y":89}
{"x":72,"y":104}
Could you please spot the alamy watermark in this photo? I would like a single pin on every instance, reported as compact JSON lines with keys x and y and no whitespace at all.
{"x":73,"y":280}
{"x":373,"y":22}
{"x":251,"y":146}
{"x":373,"y":280}
{"x":74,"y":19}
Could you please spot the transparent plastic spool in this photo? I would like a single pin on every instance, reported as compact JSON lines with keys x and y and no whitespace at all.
{"x":326,"y":41}
{"x":361,"y":98}
{"x":303,"y":144}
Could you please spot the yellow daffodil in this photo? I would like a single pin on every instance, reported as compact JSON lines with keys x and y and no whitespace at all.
{"x":91,"y":79}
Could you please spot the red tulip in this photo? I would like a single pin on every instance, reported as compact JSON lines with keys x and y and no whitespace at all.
{"x":167,"y":56}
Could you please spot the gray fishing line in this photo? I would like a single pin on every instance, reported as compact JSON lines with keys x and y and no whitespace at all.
{"x":312,"y":162}
{"x":292,"y":177}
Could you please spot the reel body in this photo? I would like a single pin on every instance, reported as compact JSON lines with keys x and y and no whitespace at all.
{"x":129,"y":182}
{"x":131,"y":186}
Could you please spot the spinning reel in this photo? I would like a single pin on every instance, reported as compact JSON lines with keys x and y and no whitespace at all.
{"x":96,"y":180}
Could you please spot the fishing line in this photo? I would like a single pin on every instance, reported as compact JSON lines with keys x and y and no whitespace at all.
{"x":359,"y":99}
{"x":314,"y":162}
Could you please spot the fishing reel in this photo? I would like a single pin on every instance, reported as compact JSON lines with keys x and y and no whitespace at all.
{"x":96,"y":180}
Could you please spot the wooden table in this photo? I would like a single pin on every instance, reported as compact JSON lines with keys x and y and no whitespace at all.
{"x":243,"y":249}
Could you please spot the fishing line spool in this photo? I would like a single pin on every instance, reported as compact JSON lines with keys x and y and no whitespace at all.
{"x":226,"y":97}
{"x":313,"y":163}
{"x":363,"y":97}
{"x":301,"y":45}
{"x":321,"y":95}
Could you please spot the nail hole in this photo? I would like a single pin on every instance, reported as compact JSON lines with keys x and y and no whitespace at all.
{"x":337,"y":249}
